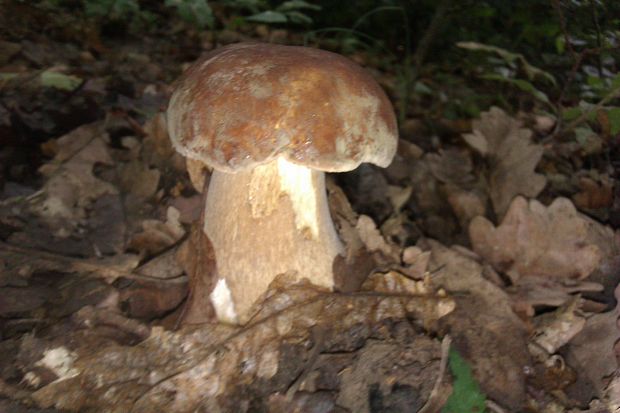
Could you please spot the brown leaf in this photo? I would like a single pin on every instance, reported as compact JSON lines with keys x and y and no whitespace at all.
{"x":534,"y":240}
{"x":429,"y":203}
{"x":466,"y":204}
{"x":511,"y":155}
{"x":483,"y":326}
{"x":367,"y":385}
{"x":451,"y":166}
{"x":221,"y":367}
{"x":591,"y":353}
{"x":372,"y":238}
{"x":156,"y":235}
{"x":197,"y":257}
{"x":23,"y":262}
{"x":531,"y":292}
{"x":593,"y":195}
{"x":137,"y":178}
{"x":20,"y":300}
{"x":71,"y":187}
{"x":554,"y":330}
{"x":148,"y":299}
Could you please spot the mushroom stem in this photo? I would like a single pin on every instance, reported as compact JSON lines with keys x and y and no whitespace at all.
{"x":266,"y":221}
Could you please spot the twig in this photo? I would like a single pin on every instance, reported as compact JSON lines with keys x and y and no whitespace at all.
{"x":69,"y":265}
{"x":431,"y":404}
{"x":494,"y":407}
{"x":558,"y":9}
{"x":318,"y":337}
{"x":91,"y":316}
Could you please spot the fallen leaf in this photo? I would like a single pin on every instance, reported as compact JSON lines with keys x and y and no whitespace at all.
{"x":369,"y":384}
{"x":148,"y":299}
{"x":451,"y":166}
{"x":60,"y":81}
{"x":594,"y":195}
{"x":164,"y":266}
{"x":531,"y":292}
{"x":432,"y":211}
{"x":591,"y":353}
{"x":366,"y":188}
{"x":466,"y":204}
{"x":157,"y":148}
{"x":140,"y":180}
{"x":554,"y":330}
{"x":71,"y":186}
{"x":372,"y":238}
{"x":197,"y":257}
{"x":157,"y":235}
{"x":221,"y":368}
{"x":15,"y":300}
{"x":485,"y":330}
{"x":534,"y":240}
{"x":511,"y":155}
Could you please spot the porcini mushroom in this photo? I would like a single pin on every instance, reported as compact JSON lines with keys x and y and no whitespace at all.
{"x":270,"y":120}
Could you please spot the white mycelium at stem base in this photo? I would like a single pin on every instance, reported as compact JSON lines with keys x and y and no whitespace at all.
{"x":266,"y":221}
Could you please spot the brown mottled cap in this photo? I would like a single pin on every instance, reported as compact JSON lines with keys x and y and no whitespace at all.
{"x":246,"y":104}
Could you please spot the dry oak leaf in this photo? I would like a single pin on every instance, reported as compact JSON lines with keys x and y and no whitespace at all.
{"x":591,"y":353}
{"x":71,"y":186}
{"x":534,"y":240}
{"x":512,"y":157}
{"x":483,"y":326}
{"x":593,"y":194}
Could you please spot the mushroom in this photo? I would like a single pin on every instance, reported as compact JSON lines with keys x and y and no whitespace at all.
{"x":271,"y":120}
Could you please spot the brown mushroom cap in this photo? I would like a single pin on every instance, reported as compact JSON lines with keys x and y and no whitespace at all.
{"x":246,"y":104}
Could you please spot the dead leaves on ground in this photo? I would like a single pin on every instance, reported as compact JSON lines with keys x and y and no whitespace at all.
{"x":92,"y":215}
{"x":221,"y":368}
{"x":534,"y":240}
{"x":512,"y":157}
{"x":106,"y":224}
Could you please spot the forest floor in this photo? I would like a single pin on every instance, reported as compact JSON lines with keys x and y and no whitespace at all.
{"x":496,"y":241}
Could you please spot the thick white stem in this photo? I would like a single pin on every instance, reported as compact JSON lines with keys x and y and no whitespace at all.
{"x":270,"y":220}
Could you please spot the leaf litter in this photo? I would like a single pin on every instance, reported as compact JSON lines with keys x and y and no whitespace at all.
{"x":462,"y":241}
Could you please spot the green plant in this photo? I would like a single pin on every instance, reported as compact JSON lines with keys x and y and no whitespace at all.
{"x":466,"y":396}
{"x":511,"y":68}
{"x":111,"y":9}
{"x":197,"y":13}
{"x":292,"y":11}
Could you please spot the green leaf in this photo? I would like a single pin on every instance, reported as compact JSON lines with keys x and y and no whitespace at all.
{"x":297,"y":5}
{"x":466,"y":396}
{"x":195,"y":12}
{"x":582,"y":135}
{"x":560,"y":44}
{"x":572,"y":113}
{"x":531,"y":71}
{"x":595,"y":81}
{"x":60,"y":81}
{"x":268,"y":16}
{"x":298,"y":17}
{"x":422,"y":89}
{"x":613,"y":115}
{"x":8,"y":76}
{"x":112,"y":9}
{"x":524,"y":85}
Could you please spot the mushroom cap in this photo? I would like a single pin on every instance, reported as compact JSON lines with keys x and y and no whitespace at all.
{"x":246,"y":104}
